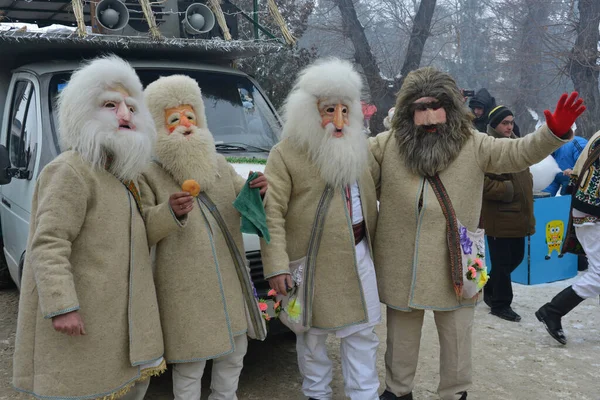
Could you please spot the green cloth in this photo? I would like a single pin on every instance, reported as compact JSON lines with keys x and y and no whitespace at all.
{"x":250,"y":206}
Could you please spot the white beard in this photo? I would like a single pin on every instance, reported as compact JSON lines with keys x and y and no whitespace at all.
{"x":188,"y":157}
{"x":131,"y":150}
{"x":341,"y":161}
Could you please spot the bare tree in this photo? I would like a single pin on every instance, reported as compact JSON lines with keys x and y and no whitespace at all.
{"x":518,"y":49}
{"x":529,"y":63}
{"x":418,"y":37}
{"x":382,"y":90}
{"x":583,"y":65}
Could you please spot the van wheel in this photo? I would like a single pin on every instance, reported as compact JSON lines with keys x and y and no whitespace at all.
{"x":5,"y":279}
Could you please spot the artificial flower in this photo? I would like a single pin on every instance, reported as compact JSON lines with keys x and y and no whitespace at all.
{"x":479,"y":263}
{"x":294,"y":310}
{"x":473,"y":273}
{"x":263,"y":306}
{"x":272,"y":293}
{"x":483,"y":278}
{"x":465,"y":242}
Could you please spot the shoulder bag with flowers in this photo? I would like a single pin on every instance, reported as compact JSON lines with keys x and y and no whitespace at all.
{"x":467,"y":249}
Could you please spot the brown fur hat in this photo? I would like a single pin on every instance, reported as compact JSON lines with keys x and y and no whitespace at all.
{"x":430,"y":82}
{"x":425,"y":153}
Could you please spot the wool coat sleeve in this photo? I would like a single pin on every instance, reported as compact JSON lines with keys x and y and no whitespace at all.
{"x":160,"y":218}
{"x":375,"y":170}
{"x":376,"y":148}
{"x":497,"y":190}
{"x":59,"y":208}
{"x":498,"y":156}
{"x":274,"y":255}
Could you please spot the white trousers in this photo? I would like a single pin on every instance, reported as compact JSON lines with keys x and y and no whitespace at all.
{"x":187,"y":377}
{"x":589,"y":284}
{"x":359,"y":365}
{"x":138,"y":391}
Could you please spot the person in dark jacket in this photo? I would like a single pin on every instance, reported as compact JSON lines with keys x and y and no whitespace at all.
{"x":508,"y":219}
{"x":481,"y":104}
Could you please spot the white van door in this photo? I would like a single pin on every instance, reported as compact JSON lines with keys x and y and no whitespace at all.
{"x":22,"y":137}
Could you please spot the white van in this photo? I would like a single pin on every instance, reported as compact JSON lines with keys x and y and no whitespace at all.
{"x":243,"y":121}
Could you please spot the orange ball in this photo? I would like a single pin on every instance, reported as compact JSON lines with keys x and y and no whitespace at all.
{"x":191,"y":186}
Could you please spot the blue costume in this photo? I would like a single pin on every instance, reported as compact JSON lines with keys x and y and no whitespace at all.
{"x":566,"y":157}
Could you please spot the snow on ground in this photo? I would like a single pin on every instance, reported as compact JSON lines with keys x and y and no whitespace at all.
{"x":512,"y":361}
{"x":520,"y":361}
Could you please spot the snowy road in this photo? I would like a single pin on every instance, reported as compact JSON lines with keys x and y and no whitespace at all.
{"x":513,"y":361}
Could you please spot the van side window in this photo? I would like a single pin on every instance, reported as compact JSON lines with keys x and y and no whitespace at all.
{"x":22,"y":140}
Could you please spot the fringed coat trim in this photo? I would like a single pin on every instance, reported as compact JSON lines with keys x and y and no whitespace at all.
{"x":115,"y":394}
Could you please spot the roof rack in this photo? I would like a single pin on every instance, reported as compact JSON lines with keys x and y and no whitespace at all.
{"x":168,"y":18}
{"x":19,"y":48}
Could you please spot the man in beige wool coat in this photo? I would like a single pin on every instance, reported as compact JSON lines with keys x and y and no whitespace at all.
{"x":200,"y":294}
{"x":323,"y":144}
{"x":88,"y":325}
{"x":432,"y":134}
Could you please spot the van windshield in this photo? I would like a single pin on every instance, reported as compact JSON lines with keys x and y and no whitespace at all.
{"x":238,"y":115}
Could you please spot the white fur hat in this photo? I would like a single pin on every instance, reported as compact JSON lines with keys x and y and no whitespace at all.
{"x":174,"y":91}
{"x":77,"y":100}
{"x":331,"y":78}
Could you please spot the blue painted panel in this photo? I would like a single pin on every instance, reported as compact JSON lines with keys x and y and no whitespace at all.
{"x":542,"y":262}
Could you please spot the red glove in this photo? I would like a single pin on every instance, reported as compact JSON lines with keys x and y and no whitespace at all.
{"x":567,"y":111}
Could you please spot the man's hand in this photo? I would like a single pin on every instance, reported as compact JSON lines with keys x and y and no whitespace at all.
{"x":181,"y":203}
{"x":281,"y":283}
{"x":567,"y":111}
{"x":260,"y":182}
{"x":70,"y":324}
{"x":567,"y":172}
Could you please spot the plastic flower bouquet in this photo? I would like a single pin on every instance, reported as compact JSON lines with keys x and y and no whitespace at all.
{"x":270,"y":307}
{"x":474,"y":270}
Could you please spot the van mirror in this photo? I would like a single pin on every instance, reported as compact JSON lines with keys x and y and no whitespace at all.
{"x":5,"y":176}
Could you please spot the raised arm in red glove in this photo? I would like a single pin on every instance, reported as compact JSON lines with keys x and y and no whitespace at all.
{"x":567,"y":111}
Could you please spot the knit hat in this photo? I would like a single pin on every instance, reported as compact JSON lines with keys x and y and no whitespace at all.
{"x":497,"y":115}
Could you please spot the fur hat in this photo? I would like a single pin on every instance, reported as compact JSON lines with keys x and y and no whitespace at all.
{"x":332,"y":79}
{"x":430,"y":82}
{"x":174,"y":91}
{"x":429,"y":153}
{"x":77,"y":101}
